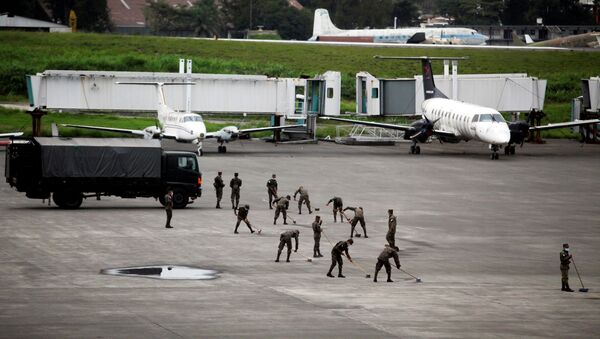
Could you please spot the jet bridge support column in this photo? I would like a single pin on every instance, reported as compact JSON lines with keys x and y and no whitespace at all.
{"x":36,"y":121}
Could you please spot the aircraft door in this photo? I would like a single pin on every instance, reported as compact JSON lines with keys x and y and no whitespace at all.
{"x":316,"y":94}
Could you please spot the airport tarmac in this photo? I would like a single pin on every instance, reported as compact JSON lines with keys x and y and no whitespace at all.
{"x":484,"y":236}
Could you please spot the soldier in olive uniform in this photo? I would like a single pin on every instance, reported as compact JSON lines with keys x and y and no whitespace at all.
{"x":286,"y":239}
{"x":337,"y":207}
{"x":565,"y":260}
{"x":272,"y":190}
{"x":317,"y":230}
{"x":336,"y":256}
{"x":358,"y":216}
{"x":235,"y":185}
{"x":242,"y":215}
{"x":384,"y":260}
{"x":303,"y":198}
{"x":283,"y":203}
{"x":169,"y":207}
{"x":218,"y":184}
{"x":391,"y":234}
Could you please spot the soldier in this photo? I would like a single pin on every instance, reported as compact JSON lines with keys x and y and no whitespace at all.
{"x":286,"y":239}
{"x":336,"y":256}
{"x":565,"y":260}
{"x":316,"y":226}
{"x":358,"y":216}
{"x":283,"y":203}
{"x":384,"y":260}
{"x":169,"y":207}
{"x":235,"y":185}
{"x":337,"y":207}
{"x":242,"y":215}
{"x":391,"y":234}
{"x":272,"y":189}
{"x":303,"y":198}
{"x":218,"y":184}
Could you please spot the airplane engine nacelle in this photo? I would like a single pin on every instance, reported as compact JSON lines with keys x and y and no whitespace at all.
{"x":519,"y":130}
{"x":151,"y":132}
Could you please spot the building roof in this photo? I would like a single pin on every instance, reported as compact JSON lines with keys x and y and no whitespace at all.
{"x":15,"y":21}
{"x":130,"y":13}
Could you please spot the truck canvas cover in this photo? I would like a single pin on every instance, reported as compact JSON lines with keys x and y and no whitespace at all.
{"x":100,"y":158}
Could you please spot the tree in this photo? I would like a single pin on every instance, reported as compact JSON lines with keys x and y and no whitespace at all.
{"x":202,"y":19}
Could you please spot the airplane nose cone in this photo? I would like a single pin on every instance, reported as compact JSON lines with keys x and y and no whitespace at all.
{"x":498,"y":134}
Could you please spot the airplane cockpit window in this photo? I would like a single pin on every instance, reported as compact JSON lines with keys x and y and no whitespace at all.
{"x":475,"y":118}
{"x":498,"y":117}
{"x":189,"y":118}
{"x":187,"y":163}
{"x":485,"y":118}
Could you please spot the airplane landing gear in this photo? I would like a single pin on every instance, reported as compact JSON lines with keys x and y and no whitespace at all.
{"x":495,"y":155}
{"x":415,"y":149}
{"x":199,"y":151}
{"x":222,"y":149}
{"x":510,"y":150}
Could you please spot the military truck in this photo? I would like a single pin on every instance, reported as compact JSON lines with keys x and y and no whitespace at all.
{"x":72,"y":169}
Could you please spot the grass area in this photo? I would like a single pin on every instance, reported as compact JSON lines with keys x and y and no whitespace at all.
{"x":28,"y":53}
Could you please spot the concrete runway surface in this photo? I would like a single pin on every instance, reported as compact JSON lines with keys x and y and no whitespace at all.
{"x":483,"y":235}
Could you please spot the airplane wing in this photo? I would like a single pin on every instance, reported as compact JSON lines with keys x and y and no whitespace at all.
{"x":15,"y":134}
{"x":565,"y":124}
{"x":110,"y":129}
{"x":274,"y":128}
{"x":437,"y":132}
{"x":370,"y":123}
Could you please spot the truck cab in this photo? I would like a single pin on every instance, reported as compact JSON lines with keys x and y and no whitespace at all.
{"x":183,"y":176}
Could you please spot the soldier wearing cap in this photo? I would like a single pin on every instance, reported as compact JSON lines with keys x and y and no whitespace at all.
{"x":218,"y":184}
{"x":242,"y":215}
{"x":235,"y":184}
{"x":338,"y":205}
{"x":359,"y":215}
{"x":384,"y":260}
{"x":391,"y":233}
{"x":272,"y":189}
{"x":317,"y":230}
{"x":285,"y":239}
{"x":303,"y":198}
{"x":565,"y":260}
{"x":336,"y":256}
{"x":283,"y":203}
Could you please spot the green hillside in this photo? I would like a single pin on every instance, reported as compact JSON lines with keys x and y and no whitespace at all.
{"x":27,"y":53}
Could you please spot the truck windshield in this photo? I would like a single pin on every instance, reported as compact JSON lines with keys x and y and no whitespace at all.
{"x":188,"y":163}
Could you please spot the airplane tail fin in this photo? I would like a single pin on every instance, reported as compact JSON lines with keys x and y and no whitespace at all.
{"x":428,"y":84}
{"x":528,"y":39}
{"x":322,"y":24}
{"x":516,"y":40}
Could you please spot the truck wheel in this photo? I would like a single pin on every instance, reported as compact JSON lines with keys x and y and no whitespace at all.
{"x":67,"y":200}
{"x":180,"y":198}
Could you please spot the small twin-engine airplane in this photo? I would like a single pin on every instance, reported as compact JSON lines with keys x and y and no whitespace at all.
{"x":452,"y":121}
{"x":183,"y":127}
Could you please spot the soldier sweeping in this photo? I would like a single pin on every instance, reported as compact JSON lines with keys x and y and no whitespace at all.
{"x":272,"y":190}
{"x":317,"y":230}
{"x":358,"y":216}
{"x":242,"y":215}
{"x":218,"y":184}
{"x":337,"y":207}
{"x":282,"y":204}
{"x":336,"y":256}
{"x":384,"y":260}
{"x":391,"y":234}
{"x":303,"y":198}
{"x":565,"y":261}
{"x":235,"y":184}
{"x":169,"y":207}
{"x":285,"y":239}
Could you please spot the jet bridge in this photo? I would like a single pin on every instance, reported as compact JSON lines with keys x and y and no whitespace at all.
{"x":98,"y":91}
{"x":404,"y":96}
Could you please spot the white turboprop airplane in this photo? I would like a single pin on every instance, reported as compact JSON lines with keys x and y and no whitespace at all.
{"x":452,"y":121}
{"x":325,"y":30}
{"x":183,"y":127}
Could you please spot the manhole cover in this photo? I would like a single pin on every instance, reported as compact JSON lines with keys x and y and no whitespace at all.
{"x":168,"y":272}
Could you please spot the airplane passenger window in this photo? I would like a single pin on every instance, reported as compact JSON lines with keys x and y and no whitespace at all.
{"x":475,"y":118}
